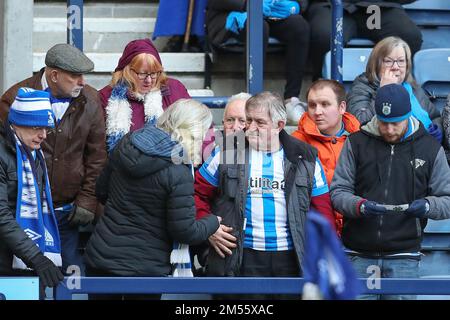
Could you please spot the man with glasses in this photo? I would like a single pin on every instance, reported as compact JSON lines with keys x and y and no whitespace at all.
{"x":75,"y":150}
{"x":29,"y":234}
{"x":234,"y":113}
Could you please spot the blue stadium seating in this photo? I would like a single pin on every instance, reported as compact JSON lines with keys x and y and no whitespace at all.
{"x":432,"y":71}
{"x":353,"y":64}
{"x":436,"y":249}
{"x":429,"y":12}
{"x":433,"y":18}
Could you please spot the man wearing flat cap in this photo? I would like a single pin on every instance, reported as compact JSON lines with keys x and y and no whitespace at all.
{"x":390,"y":178}
{"x":75,"y":149}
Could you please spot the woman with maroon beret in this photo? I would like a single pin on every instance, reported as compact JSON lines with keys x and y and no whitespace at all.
{"x":139,"y":91}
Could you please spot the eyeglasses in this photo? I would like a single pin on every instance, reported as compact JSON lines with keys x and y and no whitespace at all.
{"x":144,"y":75}
{"x":39,"y":128}
{"x":389,"y":62}
{"x":230,"y":121}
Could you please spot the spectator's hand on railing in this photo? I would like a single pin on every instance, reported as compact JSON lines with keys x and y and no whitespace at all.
{"x":222,"y":240}
{"x":49,"y":274}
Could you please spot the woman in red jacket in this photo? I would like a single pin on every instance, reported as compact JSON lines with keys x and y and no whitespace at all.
{"x":139,"y":91}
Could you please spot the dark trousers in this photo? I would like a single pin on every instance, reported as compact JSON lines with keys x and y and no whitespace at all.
{"x":267,"y":264}
{"x":393,"y":22}
{"x":69,"y":237}
{"x":294,"y":32}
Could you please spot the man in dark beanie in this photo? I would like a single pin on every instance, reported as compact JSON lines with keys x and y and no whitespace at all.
{"x":75,"y":149}
{"x":391,"y":177}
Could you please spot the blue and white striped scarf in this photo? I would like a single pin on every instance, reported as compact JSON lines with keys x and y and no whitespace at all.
{"x":119,"y":113}
{"x":180,"y":257}
{"x":35,"y":215}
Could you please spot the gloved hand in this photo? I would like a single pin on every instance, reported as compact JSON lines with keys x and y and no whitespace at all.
{"x":283,"y":9}
{"x":418,"y":208}
{"x":80,"y":217}
{"x":371,"y":208}
{"x":435,"y":132}
{"x":236,"y":21}
{"x":49,"y":274}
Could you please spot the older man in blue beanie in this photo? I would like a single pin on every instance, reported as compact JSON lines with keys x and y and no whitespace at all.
{"x":391,"y":177}
{"x":29,"y":235}
{"x":75,"y":150}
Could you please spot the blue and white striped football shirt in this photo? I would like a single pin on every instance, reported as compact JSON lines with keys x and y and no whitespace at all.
{"x":266,"y":227}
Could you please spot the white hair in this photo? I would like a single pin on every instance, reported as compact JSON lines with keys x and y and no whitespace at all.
{"x":244,"y":96}
{"x":187,"y":121}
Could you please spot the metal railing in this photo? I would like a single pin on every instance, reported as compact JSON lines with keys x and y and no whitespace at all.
{"x":227,"y":285}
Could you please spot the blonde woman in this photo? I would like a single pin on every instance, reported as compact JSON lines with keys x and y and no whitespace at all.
{"x":390,"y":62}
{"x":148,"y":192}
{"x":139,"y":91}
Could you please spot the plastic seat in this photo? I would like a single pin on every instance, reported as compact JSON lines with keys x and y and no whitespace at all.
{"x":429,"y":12}
{"x":432,"y":72}
{"x":353,"y":64}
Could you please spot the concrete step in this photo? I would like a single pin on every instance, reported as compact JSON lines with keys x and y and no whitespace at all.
{"x":107,"y":62}
{"x":100,"y":34}
{"x":125,"y":9}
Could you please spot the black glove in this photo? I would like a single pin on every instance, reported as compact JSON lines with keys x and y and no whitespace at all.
{"x":80,"y":217}
{"x":49,"y":274}
{"x":371,"y":208}
{"x":418,"y":208}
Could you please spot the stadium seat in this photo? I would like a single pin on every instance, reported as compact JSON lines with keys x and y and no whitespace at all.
{"x":429,"y":12}
{"x":432,"y":72}
{"x":353,"y":64}
{"x":360,"y":43}
{"x":436,"y":249}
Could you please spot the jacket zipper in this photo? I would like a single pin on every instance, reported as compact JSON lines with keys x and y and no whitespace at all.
{"x":386,"y":189}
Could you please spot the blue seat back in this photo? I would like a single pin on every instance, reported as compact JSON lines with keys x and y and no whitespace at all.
{"x":353,"y":64}
{"x":429,"y":12}
{"x":432,"y":72}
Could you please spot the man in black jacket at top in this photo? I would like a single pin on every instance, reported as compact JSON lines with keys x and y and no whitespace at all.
{"x":393,"y":22}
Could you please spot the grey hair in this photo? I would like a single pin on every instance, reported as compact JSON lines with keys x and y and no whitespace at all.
{"x":187,"y":121}
{"x":244,"y":96}
{"x":270,"y":101}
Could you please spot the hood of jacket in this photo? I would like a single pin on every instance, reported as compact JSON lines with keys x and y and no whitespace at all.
{"x":146,"y":151}
{"x":308,"y":127}
{"x":371,"y":127}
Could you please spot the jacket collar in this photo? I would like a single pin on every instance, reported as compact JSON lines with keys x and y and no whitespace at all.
{"x":307,"y":126}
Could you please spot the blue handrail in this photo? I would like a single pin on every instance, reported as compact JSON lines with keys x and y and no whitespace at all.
{"x":75,"y":23}
{"x":255,"y":67}
{"x":337,"y":38}
{"x":228,"y":285}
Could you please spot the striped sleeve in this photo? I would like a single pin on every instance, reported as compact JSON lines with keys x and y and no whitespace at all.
{"x":210,"y":168}
{"x":320,"y":185}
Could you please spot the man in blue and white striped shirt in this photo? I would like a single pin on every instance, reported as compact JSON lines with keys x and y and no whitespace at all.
{"x":262,"y":188}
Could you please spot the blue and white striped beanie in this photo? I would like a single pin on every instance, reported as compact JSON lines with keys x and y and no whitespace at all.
{"x":32,"y":108}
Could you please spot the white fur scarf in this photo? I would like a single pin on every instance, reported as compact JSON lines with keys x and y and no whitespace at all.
{"x":119,"y":113}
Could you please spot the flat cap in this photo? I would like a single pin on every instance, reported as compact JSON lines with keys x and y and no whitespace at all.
{"x":69,"y":58}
